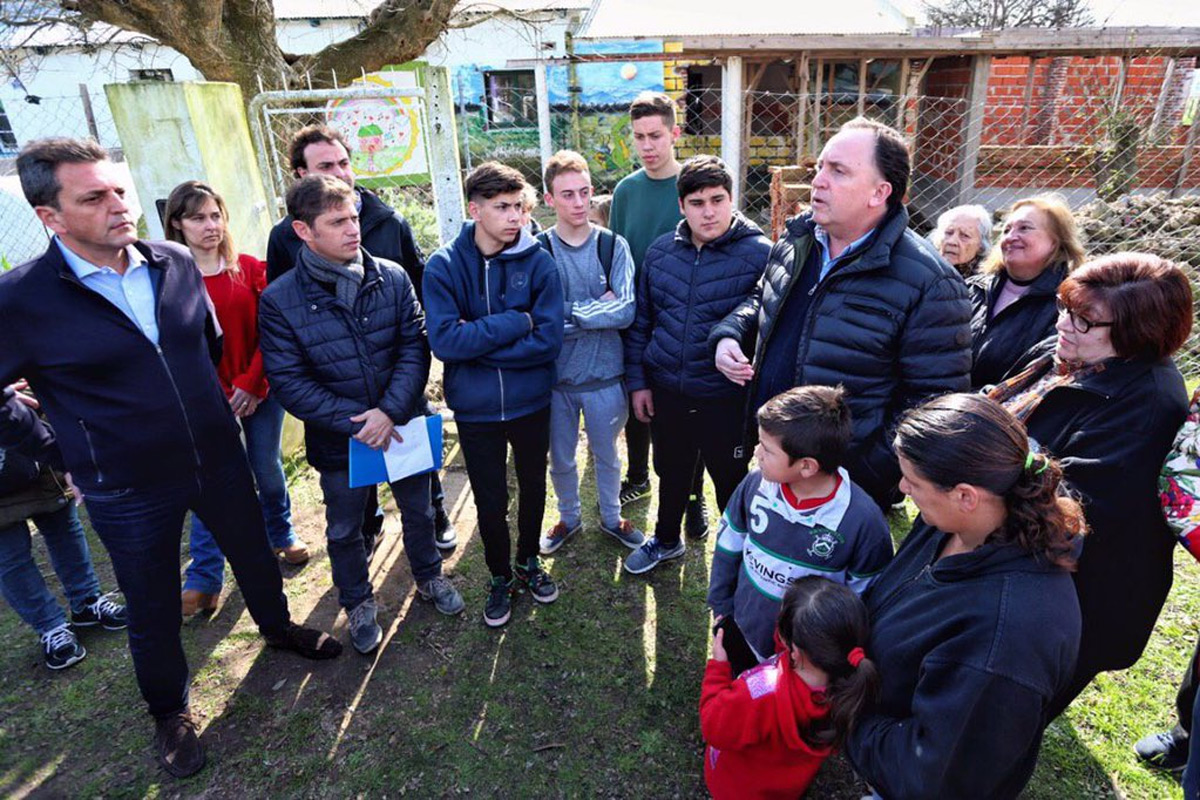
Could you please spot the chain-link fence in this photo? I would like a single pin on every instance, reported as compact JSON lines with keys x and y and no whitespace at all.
{"x":84,"y":113}
{"x":388,"y":136}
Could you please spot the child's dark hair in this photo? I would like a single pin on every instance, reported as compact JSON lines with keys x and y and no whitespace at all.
{"x":653,"y":104}
{"x":810,"y":422}
{"x":492,"y":178}
{"x":971,"y":439}
{"x":703,"y":172}
{"x":828,"y":621}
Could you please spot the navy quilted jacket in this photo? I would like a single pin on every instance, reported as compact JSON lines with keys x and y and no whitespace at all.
{"x":891,"y":324}
{"x":682,"y":293}
{"x":327,"y":365}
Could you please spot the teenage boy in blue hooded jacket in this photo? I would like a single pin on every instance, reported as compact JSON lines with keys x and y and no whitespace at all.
{"x":494,"y":313}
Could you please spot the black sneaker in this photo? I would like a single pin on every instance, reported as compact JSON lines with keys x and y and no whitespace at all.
{"x":101,"y":611}
{"x":444,"y":534}
{"x":632,"y":492}
{"x":61,"y":647}
{"x":695,"y":521}
{"x":1166,"y":751}
{"x":533,"y":579}
{"x":499,"y":602}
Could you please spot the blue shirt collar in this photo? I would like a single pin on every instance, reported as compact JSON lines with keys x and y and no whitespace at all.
{"x":83,"y":268}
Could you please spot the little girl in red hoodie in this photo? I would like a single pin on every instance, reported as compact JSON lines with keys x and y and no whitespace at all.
{"x":769,"y":729}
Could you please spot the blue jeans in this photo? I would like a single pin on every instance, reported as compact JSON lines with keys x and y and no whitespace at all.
{"x":343,"y":530}
{"x":21,"y":580}
{"x":604,"y":412}
{"x":263,"y":429}
{"x":141,"y":527}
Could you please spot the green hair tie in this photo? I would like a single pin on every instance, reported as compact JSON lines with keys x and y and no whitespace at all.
{"x":1029,"y":463}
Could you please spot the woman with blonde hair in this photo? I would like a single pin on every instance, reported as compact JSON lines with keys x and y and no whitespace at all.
{"x":196,"y":216}
{"x":1012,"y":299}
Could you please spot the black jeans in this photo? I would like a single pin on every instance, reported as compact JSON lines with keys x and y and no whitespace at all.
{"x":485,"y":449}
{"x":637,"y":448}
{"x":141,"y":527}
{"x":687,"y":429}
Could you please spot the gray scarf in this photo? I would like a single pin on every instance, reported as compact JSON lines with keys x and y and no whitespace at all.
{"x":347,"y":278}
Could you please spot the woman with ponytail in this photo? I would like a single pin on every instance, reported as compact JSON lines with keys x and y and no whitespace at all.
{"x":975,"y":623}
{"x":769,"y":730}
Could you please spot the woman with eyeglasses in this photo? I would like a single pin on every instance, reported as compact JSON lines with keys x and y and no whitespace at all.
{"x":1104,"y":398}
{"x":1012,"y":298}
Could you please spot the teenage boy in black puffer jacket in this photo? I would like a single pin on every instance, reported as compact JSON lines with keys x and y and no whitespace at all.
{"x":689,"y":281}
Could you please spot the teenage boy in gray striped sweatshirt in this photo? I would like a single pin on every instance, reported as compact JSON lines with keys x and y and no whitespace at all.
{"x":597,"y":278}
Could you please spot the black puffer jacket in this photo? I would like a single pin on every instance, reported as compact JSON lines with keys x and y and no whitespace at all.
{"x":999,"y":342}
{"x":326,"y":365}
{"x":891,"y":324}
{"x":682,"y":292}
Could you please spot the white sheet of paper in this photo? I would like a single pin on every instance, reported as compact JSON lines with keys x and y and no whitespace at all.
{"x":411,"y":456}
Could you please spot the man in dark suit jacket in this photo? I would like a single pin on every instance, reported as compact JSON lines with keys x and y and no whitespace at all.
{"x":110,"y":333}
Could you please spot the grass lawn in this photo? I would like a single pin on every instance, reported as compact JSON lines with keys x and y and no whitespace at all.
{"x":593,"y":696}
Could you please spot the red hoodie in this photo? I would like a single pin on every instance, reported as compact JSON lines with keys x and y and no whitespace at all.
{"x":235,"y":297}
{"x":752,"y":726}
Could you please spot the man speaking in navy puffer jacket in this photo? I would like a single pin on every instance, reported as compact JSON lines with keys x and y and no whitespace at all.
{"x":689,"y":281}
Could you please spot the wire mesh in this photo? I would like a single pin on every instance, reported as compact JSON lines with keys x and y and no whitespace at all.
{"x":364,"y":120}
{"x":22,"y":236}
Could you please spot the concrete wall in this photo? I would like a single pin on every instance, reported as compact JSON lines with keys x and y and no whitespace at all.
{"x":175,"y":132}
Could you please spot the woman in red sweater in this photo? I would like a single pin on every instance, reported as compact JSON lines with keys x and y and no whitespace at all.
{"x":197,"y":217}
{"x":769,"y":729}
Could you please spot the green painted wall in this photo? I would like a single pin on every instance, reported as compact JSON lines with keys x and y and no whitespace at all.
{"x":174,"y":132}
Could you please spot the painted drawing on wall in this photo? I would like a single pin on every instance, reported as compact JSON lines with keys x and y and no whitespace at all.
{"x":386,"y":133}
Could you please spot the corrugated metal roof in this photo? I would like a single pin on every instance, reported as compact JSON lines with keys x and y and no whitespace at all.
{"x":628,"y":19}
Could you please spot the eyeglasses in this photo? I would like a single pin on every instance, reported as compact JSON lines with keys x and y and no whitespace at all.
{"x":1079,"y":322}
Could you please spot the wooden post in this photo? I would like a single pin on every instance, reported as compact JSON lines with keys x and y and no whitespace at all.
{"x":972,"y":129}
{"x":1163,"y":94}
{"x":87,"y":111}
{"x":1027,"y":102}
{"x":1119,"y":90}
{"x":732,"y":106}
{"x":817,"y":139}
{"x":862,"y":87}
{"x":905,"y":68}
{"x":802,"y":106}
{"x":545,"y":138}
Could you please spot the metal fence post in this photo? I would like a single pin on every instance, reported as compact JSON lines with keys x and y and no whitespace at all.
{"x":443,"y":152}
{"x":732,"y":101}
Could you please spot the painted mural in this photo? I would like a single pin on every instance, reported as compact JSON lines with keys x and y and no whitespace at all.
{"x":494,"y":103}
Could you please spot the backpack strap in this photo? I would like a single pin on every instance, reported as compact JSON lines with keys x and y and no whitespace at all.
{"x":606,"y":243}
{"x":544,"y":240}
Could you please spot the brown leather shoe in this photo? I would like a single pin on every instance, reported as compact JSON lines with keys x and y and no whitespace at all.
{"x":176,"y":745}
{"x":296,"y":553}
{"x":194,"y":602}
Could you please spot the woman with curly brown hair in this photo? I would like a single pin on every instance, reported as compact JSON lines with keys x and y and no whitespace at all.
{"x":1104,"y":397}
{"x":974,"y":624}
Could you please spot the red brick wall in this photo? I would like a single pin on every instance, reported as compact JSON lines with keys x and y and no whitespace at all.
{"x":1070,"y":105}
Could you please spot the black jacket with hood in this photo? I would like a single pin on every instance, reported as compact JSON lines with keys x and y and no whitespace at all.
{"x":971,"y":649}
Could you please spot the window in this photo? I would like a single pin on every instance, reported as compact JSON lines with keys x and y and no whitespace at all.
{"x":703,"y":101}
{"x":8,"y":142}
{"x":511,"y":99}
{"x":151,"y":75}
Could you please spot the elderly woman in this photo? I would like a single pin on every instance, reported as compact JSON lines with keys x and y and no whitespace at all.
{"x":1105,"y":399}
{"x":1012,"y":300}
{"x":964,"y":237}
{"x":974,"y":624}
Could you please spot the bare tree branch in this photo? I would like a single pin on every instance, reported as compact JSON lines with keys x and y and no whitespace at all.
{"x":995,"y":14}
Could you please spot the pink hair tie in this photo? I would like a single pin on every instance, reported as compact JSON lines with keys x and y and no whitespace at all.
{"x":855,"y":657}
